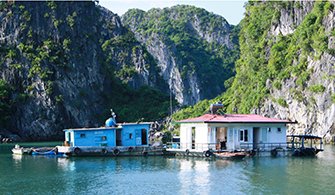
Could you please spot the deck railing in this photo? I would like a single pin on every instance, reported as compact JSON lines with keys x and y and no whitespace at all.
{"x":192,"y":146}
{"x":241,"y":146}
{"x":263,"y":146}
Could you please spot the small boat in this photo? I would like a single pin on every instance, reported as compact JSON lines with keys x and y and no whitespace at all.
{"x":18,"y":150}
{"x":305,"y":146}
{"x":44,"y":151}
{"x":230,"y":155}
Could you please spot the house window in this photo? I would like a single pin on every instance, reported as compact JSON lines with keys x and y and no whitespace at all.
{"x":193,"y":137}
{"x":82,"y":135}
{"x":130,"y":136}
{"x":193,"y":133}
{"x":241,"y":135}
{"x":104,"y":138}
{"x":244,"y":135}
{"x":279,"y":129}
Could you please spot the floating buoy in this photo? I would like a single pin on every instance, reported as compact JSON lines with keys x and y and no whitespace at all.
{"x":274,"y":152}
{"x":77,"y":151}
{"x":104,"y":151}
{"x":116,"y":152}
{"x":208,"y":153}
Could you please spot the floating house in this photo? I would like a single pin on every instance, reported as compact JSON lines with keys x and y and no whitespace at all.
{"x":231,"y":132}
{"x":112,"y":139}
{"x":128,"y":134}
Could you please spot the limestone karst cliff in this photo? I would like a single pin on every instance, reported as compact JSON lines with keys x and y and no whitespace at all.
{"x":286,"y":66}
{"x":195,"y":50}
{"x":65,"y":64}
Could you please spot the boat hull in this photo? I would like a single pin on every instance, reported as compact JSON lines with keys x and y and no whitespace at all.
{"x":207,"y":154}
{"x":305,"y":152}
{"x":21,"y":151}
{"x":230,"y":155}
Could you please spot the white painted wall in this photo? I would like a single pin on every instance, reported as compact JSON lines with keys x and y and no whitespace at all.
{"x":72,"y":139}
{"x":201,"y":136}
{"x":233,"y":134}
{"x":186,"y":136}
{"x":205,"y":134}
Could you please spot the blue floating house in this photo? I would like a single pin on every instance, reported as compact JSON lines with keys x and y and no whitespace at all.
{"x":128,"y":134}
{"x":112,"y":135}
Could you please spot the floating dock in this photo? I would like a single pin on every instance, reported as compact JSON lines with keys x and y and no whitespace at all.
{"x":111,"y":151}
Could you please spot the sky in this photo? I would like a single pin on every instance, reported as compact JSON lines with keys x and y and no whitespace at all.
{"x":231,"y":10}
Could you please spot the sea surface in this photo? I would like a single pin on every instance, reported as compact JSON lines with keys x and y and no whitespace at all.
{"x":166,"y":175}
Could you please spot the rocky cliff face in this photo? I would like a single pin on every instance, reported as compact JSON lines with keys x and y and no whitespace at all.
{"x":286,"y":69}
{"x":314,"y":110}
{"x":195,"y":50}
{"x":64,"y":62}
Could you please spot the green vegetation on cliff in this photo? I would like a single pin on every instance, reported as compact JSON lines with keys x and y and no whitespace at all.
{"x":287,"y":57}
{"x":68,"y":63}
{"x":5,"y":102}
{"x":202,"y":43}
{"x":271,"y":59}
{"x":142,"y":103}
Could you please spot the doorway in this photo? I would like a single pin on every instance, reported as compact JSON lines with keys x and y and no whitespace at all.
{"x":144,"y":136}
{"x":256,"y":137}
{"x":68,"y":142}
{"x":118,"y":137}
{"x":221,"y":138}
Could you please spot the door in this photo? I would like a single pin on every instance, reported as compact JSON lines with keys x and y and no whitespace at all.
{"x":221,"y":138}
{"x":69,"y":141}
{"x":138,"y":137}
{"x":144,"y":137}
{"x":256,"y":137}
{"x":231,"y":139}
{"x":118,"y":137}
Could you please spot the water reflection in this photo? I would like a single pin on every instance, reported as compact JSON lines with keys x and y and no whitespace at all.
{"x":291,"y":175}
{"x":194,"y":176}
{"x":65,"y":164}
{"x":159,"y":175}
{"x":222,"y":164}
{"x":17,"y":158}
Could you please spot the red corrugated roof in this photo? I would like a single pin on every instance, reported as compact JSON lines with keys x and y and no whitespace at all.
{"x":233,"y":118}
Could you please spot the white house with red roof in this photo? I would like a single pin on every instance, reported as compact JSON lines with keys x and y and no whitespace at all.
{"x":231,"y":132}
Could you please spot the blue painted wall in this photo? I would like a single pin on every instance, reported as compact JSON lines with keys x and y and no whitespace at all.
{"x":131,"y":135}
{"x":92,"y":137}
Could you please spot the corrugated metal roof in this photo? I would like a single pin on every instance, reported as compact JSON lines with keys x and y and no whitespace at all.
{"x":233,"y":118}
{"x":92,"y":129}
{"x":107,"y":128}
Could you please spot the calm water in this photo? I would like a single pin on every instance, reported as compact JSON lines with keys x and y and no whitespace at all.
{"x":159,"y":175}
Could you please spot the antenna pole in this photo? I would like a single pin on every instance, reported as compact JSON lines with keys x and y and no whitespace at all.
{"x":170,"y":100}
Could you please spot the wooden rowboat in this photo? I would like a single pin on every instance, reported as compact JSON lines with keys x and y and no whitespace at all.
{"x":230,"y":155}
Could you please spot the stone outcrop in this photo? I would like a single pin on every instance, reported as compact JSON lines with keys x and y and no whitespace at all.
{"x":60,"y":73}
{"x":150,"y":28}
{"x":65,"y":62}
{"x":314,"y":111}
